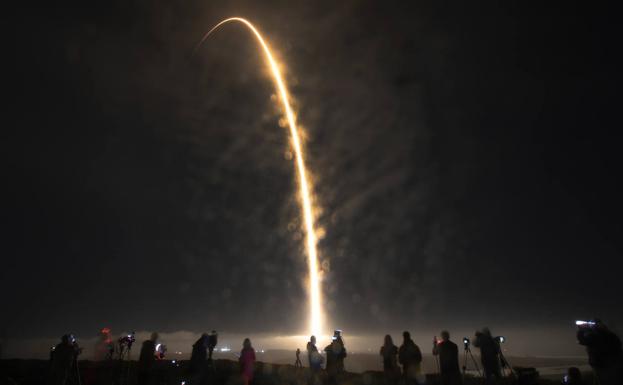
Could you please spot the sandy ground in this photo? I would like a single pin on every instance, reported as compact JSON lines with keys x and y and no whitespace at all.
{"x":361,"y":362}
{"x":35,"y":372}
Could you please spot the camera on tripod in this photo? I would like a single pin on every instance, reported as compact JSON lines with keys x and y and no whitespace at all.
{"x":125,"y":346}
{"x":126,"y":341}
{"x":466,"y":342}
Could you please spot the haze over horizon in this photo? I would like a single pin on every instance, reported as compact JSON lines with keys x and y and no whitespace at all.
{"x":520,"y":343}
{"x":466,"y":161}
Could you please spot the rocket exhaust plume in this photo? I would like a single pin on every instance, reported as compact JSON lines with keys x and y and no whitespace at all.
{"x":315,"y":315}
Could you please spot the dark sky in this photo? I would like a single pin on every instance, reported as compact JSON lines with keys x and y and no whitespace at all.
{"x":466,"y":159}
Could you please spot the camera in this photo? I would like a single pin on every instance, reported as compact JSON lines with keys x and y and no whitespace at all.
{"x":127,"y":340}
{"x":466,"y":342}
{"x":337,"y":336}
{"x":161,"y":349}
{"x":500,"y":339}
{"x":74,"y":344}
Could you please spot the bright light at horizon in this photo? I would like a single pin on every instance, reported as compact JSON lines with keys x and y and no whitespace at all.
{"x":315,"y":309}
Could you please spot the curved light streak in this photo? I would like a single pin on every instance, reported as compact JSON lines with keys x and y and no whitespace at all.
{"x":315,"y":316}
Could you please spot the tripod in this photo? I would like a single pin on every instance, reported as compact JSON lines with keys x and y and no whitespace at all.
{"x":77,"y":369}
{"x":124,"y":356}
{"x":506,"y":365}
{"x":71,"y":374}
{"x":468,"y":352}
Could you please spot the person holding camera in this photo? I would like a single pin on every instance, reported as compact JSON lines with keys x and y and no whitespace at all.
{"x":604,"y":351}
{"x":448,"y":354}
{"x":336,"y":352}
{"x":63,"y":360}
{"x":147,"y":360}
{"x":489,"y":354}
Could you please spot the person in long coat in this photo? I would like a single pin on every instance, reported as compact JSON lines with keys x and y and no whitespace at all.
{"x":247,"y":361}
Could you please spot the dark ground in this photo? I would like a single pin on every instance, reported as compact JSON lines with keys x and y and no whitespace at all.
{"x":34,"y":372}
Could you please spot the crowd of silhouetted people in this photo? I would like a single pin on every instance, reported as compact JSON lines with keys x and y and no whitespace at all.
{"x":401,"y":365}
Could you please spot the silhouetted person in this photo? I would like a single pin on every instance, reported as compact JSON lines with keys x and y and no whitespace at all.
{"x":315,"y":361}
{"x":448,"y":354}
{"x":604,"y":352}
{"x":212,"y":341}
{"x":336,"y":353}
{"x":573,"y":377}
{"x":247,"y":361}
{"x":314,"y":357}
{"x":198,"y":358}
{"x":63,"y":360}
{"x":147,"y":360}
{"x":103,"y":354}
{"x":389,"y":352}
{"x":337,"y":334}
{"x":410,"y":357}
{"x":340,"y":350}
{"x":489,"y":354}
{"x":104,"y":346}
{"x":298,"y":364}
{"x":311,"y":348}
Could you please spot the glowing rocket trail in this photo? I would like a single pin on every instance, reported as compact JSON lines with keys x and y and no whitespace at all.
{"x":315,"y":317}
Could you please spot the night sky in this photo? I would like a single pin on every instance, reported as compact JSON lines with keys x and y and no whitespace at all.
{"x":466,"y":159}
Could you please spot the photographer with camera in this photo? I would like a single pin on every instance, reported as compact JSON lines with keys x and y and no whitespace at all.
{"x":147,"y":360}
{"x":336,"y":352}
{"x":63,"y":360}
{"x":489,"y":354}
{"x":448,"y":354}
{"x":340,"y":349}
{"x":604,"y":351}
